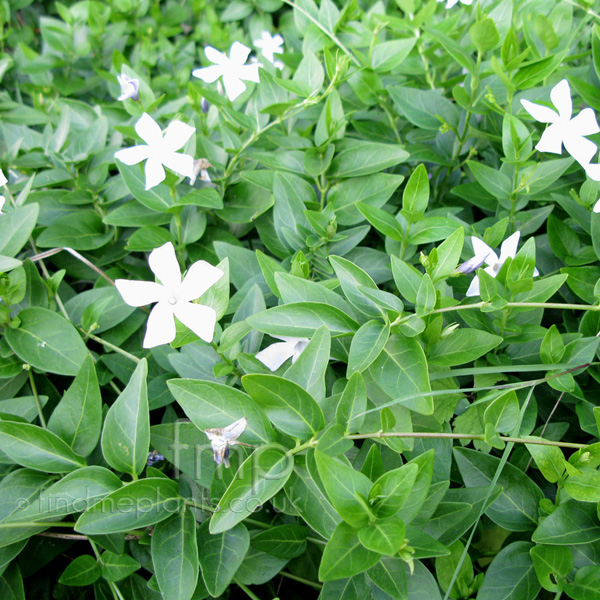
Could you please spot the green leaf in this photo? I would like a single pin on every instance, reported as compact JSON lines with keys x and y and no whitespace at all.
{"x":126,"y":431}
{"x":16,"y":227}
{"x":302,"y":319}
{"x":75,"y":492}
{"x":448,"y":255}
{"x":511,"y":575}
{"x":344,"y":555}
{"x":385,"y":537}
{"x":553,"y":348}
{"x":391,"y":491}
{"x":548,"y":459}
{"x":291,"y":408}
{"x":426,"y":297}
{"x":484,"y":35}
{"x":462,"y":346}
{"x":310,"y":367}
{"x":389,"y":575}
{"x":503,"y":412}
{"x":47,"y":341}
{"x":551,"y":560}
{"x":333,"y":441}
{"x":81,"y":230}
{"x":355,"y":158}
{"x":491,"y":180}
{"x":407,"y":279}
{"x":383,"y":221}
{"x":118,"y":566}
{"x":416,"y":193}
{"x":310,"y":502}
{"x":584,"y":486}
{"x":367,"y":344}
{"x":84,"y":570}
{"x":210,"y":405}
{"x":350,"y":277}
{"x":157,"y":198}
{"x":352,"y":404}
{"x":401,"y":372}
{"x":516,"y":509}
{"x":175,"y":556}
{"x":571,"y":523}
{"x":447,"y":567}
{"x":259,"y":478}
{"x":586,"y":585}
{"x":137,"y":504}
{"x":347,"y":490}
{"x":388,"y":55}
{"x":310,"y":73}
{"x":284,"y":541}
{"x":426,"y":109}
{"x":37,"y":448}
{"x":77,"y":419}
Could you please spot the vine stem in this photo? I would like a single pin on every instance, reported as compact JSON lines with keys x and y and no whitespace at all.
{"x":112,"y":347}
{"x":37,"y":398}
{"x":559,"y":305}
{"x":116,"y":592}
{"x":247,"y":590}
{"x":312,"y":584}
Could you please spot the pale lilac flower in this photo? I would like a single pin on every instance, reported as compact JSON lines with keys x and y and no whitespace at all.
{"x":233,"y":69}
{"x":270,"y":45}
{"x":275,"y":355}
{"x":173,"y":296}
{"x":451,"y":3}
{"x":484,"y":254}
{"x":223,"y":437}
{"x":563,"y":129}
{"x":160,"y":150}
{"x":130,"y":87}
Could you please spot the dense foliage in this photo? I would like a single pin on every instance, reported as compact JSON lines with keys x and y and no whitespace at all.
{"x":344,"y":345}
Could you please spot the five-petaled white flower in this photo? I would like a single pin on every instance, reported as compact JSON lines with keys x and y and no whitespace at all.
{"x":484,"y":254}
{"x":275,"y":355}
{"x":233,"y":69}
{"x":563,"y":128}
{"x":174,"y":297}
{"x":270,"y":45}
{"x":130,"y":87}
{"x":160,"y":150}
{"x":451,"y":3}
{"x":223,"y":437}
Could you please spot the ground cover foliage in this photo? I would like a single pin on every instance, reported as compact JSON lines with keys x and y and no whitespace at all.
{"x":388,"y":315}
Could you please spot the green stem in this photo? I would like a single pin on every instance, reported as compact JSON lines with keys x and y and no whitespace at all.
{"x":17,"y":524}
{"x":199,"y":506}
{"x":247,"y":590}
{"x":328,"y":33}
{"x":116,"y":592}
{"x":312,"y":584}
{"x":37,"y":399}
{"x":112,"y":347}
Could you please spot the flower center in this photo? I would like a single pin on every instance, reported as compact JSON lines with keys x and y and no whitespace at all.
{"x":172,"y":300}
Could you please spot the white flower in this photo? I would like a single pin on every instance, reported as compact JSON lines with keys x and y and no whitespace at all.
{"x":596,"y":208}
{"x":269,"y":46}
{"x":564,"y":129}
{"x":484,"y":254}
{"x":3,"y":180}
{"x":223,"y":437}
{"x":200,"y":168}
{"x":160,"y":150}
{"x":451,"y":3}
{"x":173,"y":296}
{"x":275,"y":355}
{"x":233,"y":69}
{"x":2,"y":201}
{"x":129,"y":87}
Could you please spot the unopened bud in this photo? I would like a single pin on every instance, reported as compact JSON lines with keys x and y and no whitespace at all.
{"x":204,"y":105}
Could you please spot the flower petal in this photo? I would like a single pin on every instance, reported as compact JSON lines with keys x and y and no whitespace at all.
{"x":176,"y":135}
{"x":251,"y":72}
{"x":473,"y":288}
{"x":540,"y":113}
{"x":164,"y":265}
{"x":161,"y":326}
{"x":133,"y":155}
{"x":551,"y":140}
{"x":2,"y":201}
{"x":139,"y":293}
{"x":483,"y":252}
{"x":154,"y":172}
{"x":208,"y":74}
{"x":561,"y":98}
{"x":215,"y":56}
{"x":580,"y":148}
{"x":234,"y":87}
{"x":585,"y":123}
{"x":275,"y":355}
{"x":509,"y":246}
{"x":238,"y":53}
{"x":199,"y":278}
{"x":197,"y":317}
{"x":3,"y":180}
{"x":596,"y":208}
{"x":180,"y":163}
{"x":149,"y":130}
{"x":232,"y":432}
